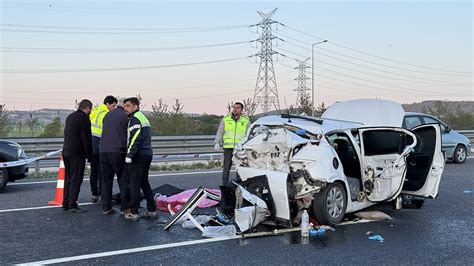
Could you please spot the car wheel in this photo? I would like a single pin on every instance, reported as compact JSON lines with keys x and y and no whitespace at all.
{"x":329,"y":205}
{"x":460,"y":154}
{"x":3,"y":178}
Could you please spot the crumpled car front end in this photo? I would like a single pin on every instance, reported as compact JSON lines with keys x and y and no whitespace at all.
{"x":285,"y":165}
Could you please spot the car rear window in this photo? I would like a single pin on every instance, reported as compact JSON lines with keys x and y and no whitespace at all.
{"x":412,"y":121}
{"x":383,"y":142}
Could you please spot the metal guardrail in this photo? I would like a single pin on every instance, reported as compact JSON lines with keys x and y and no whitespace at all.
{"x":165,"y":149}
{"x":161,"y":144}
{"x":469,"y":134}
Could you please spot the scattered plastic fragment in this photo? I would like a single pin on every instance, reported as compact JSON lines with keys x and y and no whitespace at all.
{"x":368,"y":233}
{"x":373,"y":215}
{"x":467,"y":191}
{"x":325,"y":227}
{"x":201,"y":219}
{"x":376,"y":238}
{"x":317,"y":232}
{"x":219,"y":231}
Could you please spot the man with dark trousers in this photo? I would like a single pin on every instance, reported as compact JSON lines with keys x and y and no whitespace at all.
{"x":97,"y":117}
{"x":230,"y":132}
{"x":138,"y":159}
{"x":76,"y":149}
{"x":113,"y":148}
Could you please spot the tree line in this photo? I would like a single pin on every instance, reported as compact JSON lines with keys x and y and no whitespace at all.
{"x":168,"y":120}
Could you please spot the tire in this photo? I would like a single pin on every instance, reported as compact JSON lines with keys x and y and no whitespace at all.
{"x":460,"y":154}
{"x":329,"y":205}
{"x":3,"y":178}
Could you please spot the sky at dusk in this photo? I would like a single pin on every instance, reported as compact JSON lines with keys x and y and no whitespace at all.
{"x":54,"y":52}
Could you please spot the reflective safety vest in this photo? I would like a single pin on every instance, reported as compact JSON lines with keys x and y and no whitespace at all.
{"x":234,"y":130}
{"x":139,"y":127}
{"x":96,"y":117}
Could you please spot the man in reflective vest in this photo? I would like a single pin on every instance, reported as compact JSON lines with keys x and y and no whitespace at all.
{"x":96,"y":117}
{"x":231,"y":130}
{"x":138,"y":160}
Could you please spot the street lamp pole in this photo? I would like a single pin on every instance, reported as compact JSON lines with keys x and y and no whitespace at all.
{"x":312,"y":76}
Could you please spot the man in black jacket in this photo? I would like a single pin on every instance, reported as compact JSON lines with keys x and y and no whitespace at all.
{"x":138,"y":159}
{"x":76,"y":149}
{"x":113,"y":147}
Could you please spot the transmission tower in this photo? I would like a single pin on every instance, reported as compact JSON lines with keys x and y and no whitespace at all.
{"x":301,"y":79}
{"x":266,"y":93}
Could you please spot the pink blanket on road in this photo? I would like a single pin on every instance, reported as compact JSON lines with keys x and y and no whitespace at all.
{"x":177,"y":201}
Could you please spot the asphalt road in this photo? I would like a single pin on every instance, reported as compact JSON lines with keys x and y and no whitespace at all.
{"x":441,"y":232}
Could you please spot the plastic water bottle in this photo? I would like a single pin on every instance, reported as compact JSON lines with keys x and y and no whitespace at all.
{"x":305,"y":224}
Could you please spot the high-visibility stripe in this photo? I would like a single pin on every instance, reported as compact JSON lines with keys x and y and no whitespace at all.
{"x":96,"y":134}
{"x":61,"y":164}
{"x":60,"y":183}
{"x":133,"y":127}
{"x":98,"y":116}
{"x":133,"y":140}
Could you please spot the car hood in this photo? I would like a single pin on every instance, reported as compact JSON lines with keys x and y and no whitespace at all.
{"x":365,"y":113}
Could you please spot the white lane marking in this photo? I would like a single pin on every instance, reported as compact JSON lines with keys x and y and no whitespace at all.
{"x":128,"y":251}
{"x":155,"y":175}
{"x":39,"y":208}
{"x":156,"y":247}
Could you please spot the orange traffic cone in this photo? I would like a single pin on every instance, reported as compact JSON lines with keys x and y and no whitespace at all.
{"x":58,"y":199}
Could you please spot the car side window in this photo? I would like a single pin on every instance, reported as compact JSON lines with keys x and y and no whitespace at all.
{"x":412,"y":121}
{"x":429,"y":120}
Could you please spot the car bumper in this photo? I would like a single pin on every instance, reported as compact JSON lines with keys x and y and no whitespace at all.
{"x":17,"y":172}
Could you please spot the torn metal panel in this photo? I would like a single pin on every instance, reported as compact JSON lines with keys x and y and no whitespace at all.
{"x":200,"y":194}
{"x":278,"y":185}
{"x":271,"y":148}
{"x":249,"y":217}
{"x":253,"y":199}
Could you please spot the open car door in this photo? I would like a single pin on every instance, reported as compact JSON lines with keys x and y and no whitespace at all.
{"x":383,"y":166}
{"x":425,"y":165}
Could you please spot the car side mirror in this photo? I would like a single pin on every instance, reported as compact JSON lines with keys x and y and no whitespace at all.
{"x":448,"y":129}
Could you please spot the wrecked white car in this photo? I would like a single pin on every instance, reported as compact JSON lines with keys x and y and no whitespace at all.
{"x":353,"y":157}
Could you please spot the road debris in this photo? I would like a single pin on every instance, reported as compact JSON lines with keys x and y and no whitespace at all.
{"x":376,"y":238}
{"x":373,"y":215}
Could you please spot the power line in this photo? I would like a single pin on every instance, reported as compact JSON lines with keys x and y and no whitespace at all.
{"x":122,"y":29}
{"x":370,"y":62}
{"x":78,"y":30}
{"x":375,"y":69}
{"x":110,"y":50}
{"x":377,"y":56}
{"x":41,"y":71}
{"x":378,"y":89}
{"x":403,"y":91}
{"x":383,"y":76}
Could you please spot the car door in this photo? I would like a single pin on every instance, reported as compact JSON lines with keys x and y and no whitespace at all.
{"x":383,"y":165}
{"x":426,"y":164}
{"x":448,"y":142}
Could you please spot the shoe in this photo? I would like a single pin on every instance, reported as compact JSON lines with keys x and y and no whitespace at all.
{"x":132,"y":216}
{"x":95,"y":199}
{"x":149,"y":215}
{"x":109,"y":211}
{"x":76,"y":210}
{"x":123,"y":212}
